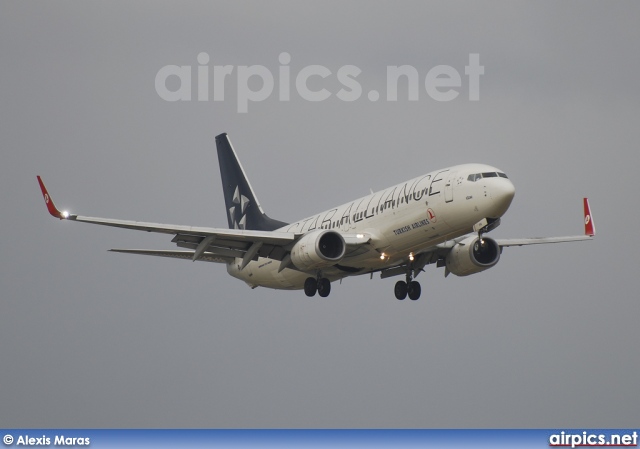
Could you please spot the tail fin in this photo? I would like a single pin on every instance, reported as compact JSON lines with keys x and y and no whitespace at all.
{"x":243,"y":209}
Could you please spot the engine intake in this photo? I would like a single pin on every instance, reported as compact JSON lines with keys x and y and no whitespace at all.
{"x":473,"y":255}
{"x":318,"y":249}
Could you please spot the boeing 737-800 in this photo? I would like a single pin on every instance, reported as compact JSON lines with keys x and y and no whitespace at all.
{"x":438,"y":218}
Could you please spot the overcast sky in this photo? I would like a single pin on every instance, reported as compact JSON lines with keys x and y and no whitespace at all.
{"x":547,"y":338}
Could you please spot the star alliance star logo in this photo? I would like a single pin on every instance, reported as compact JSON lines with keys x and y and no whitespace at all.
{"x":241,"y":203}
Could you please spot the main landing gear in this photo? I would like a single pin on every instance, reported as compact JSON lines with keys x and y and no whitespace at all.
{"x":319,"y":284}
{"x":408,"y":287}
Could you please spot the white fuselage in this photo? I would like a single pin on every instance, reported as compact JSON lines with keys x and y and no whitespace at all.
{"x":407,"y":218}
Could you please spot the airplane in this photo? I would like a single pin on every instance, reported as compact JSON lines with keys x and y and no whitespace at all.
{"x":437,"y":218}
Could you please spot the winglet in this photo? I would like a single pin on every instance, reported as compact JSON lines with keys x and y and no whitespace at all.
{"x":53,"y":210}
{"x":589,"y":225}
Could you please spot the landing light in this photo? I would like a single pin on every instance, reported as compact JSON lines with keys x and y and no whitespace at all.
{"x":382,"y":256}
{"x":411,"y":257}
{"x":65,"y":214}
{"x":360,"y":236}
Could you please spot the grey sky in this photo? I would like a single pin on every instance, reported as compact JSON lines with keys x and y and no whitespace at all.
{"x":547,"y":338}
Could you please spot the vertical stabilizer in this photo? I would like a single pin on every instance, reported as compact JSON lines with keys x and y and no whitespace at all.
{"x":243,"y":209}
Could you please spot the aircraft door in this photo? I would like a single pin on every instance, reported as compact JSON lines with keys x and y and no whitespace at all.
{"x":448,"y":187}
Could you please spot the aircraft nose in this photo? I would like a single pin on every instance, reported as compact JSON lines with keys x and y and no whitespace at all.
{"x":508,"y":190}
{"x":502,"y":194}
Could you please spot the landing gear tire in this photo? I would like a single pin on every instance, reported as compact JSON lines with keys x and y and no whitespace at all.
{"x":310,"y":287}
{"x":324,"y":287}
{"x":414,"y":290}
{"x":400,"y":290}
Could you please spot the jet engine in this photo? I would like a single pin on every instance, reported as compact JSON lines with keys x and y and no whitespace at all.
{"x":472,"y":255}
{"x":318,"y":249}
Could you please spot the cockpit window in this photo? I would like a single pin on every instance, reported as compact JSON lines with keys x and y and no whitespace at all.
{"x":474,"y":177}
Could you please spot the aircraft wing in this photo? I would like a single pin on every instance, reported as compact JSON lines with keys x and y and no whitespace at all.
{"x":540,"y":240}
{"x":589,"y":233}
{"x":209,"y":244}
{"x":439,"y":252}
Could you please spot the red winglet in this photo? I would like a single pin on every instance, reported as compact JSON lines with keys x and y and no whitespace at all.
{"x":589,"y":226}
{"x":49,"y":202}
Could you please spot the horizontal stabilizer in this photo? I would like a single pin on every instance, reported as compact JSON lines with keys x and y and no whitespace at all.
{"x":176,"y":254}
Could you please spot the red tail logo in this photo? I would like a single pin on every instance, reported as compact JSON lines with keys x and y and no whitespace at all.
{"x":589,"y":226}
{"x":49,"y":202}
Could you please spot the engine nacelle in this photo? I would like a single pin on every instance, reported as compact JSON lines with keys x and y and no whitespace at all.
{"x":471,"y":256}
{"x":318,"y":249}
